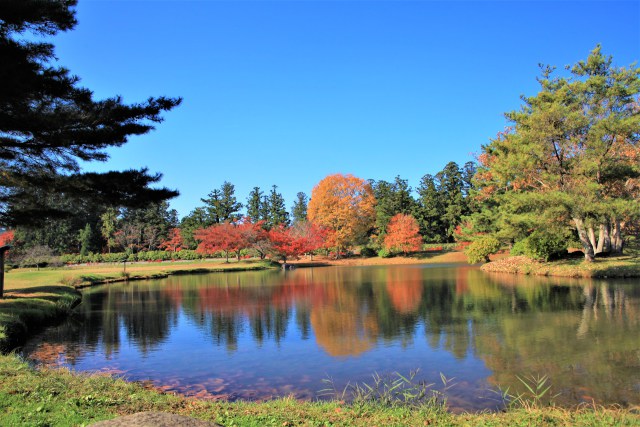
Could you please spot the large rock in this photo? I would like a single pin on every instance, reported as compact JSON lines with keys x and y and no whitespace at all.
{"x":154,"y":419}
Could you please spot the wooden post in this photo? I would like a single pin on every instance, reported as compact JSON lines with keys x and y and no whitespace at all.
{"x":3,"y":250}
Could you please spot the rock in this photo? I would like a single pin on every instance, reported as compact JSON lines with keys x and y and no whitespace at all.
{"x":154,"y":419}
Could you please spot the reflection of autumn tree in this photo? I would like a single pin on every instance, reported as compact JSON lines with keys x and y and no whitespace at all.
{"x":343,"y":324}
{"x":404,"y":287}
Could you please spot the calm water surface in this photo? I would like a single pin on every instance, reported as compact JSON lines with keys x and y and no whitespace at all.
{"x":254,"y":335}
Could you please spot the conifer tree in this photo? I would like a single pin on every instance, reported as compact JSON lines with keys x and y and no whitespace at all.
{"x":49,"y":124}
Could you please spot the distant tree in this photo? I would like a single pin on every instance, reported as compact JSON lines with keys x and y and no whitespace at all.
{"x":278,"y":214}
{"x":451,"y":189}
{"x":403,"y":234}
{"x":254,"y":205}
{"x":6,"y":237}
{"x":430,"y":210}
{"x":108,"y":227}
{"x":299,"y":209}
{"x":285,"y":245}
{"x":173,"y":242}
{"x":392,"y":199}
{"x":36,"y":256}
{"x":49,"y":125}
{"x":130,"y":236}
{"x":196,"y":220}
{"x":84,"y":239}
{"x":225,"y":238}
{"x":255,"y":237}
{"x":345,"y":205}
{"x":312,"y":237}
{"x":222,"y":205}
{"x":154,"y":223}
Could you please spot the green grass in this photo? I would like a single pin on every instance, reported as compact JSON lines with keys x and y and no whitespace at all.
{"x":44,"y":397}
{"x":87,"y":275}
{"x":24,"y":311}
{"x":620,"y":266}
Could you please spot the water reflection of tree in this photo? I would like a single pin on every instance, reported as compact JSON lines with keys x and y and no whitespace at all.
{"x":589,"y":348}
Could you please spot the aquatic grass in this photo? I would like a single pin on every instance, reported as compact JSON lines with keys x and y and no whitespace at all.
{"x":391,"y":391}
{"x":537,"y":393}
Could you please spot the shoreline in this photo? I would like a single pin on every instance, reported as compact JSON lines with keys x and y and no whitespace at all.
{"x":623,"y":266}
{"x":48,"y":396}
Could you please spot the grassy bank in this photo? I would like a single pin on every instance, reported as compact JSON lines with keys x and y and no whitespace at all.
{"x":58,"y":397}
{"x":22,"y":312}
{"x":621,"y":266}
{"x":87,"y":275}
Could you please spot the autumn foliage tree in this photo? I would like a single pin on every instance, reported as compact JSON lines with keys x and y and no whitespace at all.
{"x":345,"y":206}
{"x":403,"y":234}
{"x":225,"y":238}
{"x":6,"y":237}
{"x":174,"y":242}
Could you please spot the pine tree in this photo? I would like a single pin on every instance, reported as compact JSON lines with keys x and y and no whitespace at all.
{"x":254,"y":205}
{"x":49,"y":124}
{"x":299,"y":209}
{"x":221,"y":205}
{"x":278,"y":214}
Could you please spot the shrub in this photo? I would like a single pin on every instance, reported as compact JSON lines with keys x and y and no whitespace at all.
{"x":543,"y":246}
{"x":518,"y":248}
{"x":479,"y":250}
{"x":383,"y":253}
{"x":367,"y":252}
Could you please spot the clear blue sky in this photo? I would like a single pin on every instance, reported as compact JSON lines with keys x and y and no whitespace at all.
{"x":287,"y":92}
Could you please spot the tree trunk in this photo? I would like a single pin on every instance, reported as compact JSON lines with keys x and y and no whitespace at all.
{"x":604,"y":238}
{"x":616,"y":237}
{"x":584,"y":239}
{"x":592,"y":239}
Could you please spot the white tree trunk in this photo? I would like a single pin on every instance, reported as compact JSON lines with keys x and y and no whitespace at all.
{"x":584,"y":239}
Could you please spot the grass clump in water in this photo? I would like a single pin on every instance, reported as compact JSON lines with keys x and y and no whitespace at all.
{"x":392,"y":391}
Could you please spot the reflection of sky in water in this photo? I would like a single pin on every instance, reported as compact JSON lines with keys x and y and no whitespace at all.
{"x":197,"y":334}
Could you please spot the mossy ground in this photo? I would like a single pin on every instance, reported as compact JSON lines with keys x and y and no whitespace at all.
{"x":58,"y":397}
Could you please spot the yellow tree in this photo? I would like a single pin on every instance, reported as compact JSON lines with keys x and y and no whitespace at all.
{"x":345,"y":205}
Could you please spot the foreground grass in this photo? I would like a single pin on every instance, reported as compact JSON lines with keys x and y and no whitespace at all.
{"x":61,"y":398}
{"x":86,"y":275}
{"x":620,"y":266}
{"x":24,"y":311}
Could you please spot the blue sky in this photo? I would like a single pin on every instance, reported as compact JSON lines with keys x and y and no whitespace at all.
{"x":287,"y":92}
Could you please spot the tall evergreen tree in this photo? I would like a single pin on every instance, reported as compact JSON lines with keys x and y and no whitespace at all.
{"x":48,"y":124}
{"x":254,"y":205}
{"x":221,"y":205}
{"x":299,"y":209}
{"x":278,"y":214}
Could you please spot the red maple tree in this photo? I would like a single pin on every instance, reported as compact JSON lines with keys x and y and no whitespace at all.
{"x":174,"y":242}
{"x":403,"y":234}
{"x":225,"y":238}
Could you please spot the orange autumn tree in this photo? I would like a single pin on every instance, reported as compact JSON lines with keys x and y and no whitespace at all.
{"x":403,"y":234}
{"x":345,"y":206}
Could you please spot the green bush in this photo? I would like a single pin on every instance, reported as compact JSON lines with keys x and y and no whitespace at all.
{"x":518,"y":248}
{"x":479,"y":250}
{"x":543,"y":246}
{"x":383,"y":253}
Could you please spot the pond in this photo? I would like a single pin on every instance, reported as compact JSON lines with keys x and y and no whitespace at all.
{"x":256,"y":335}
